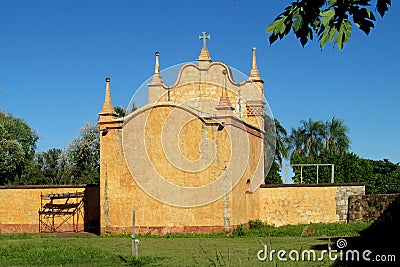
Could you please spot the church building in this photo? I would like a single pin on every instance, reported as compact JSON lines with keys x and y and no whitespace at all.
{"x":191,"y":159}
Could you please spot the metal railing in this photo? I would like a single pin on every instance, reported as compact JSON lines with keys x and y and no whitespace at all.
{"x":301,"y":165}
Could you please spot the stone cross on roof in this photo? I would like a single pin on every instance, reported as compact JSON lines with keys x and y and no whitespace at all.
{"x":204,"y":37}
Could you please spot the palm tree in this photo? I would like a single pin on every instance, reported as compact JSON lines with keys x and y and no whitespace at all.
{"x":295,"y":142}
{"x":274,"y":149}
{"x":275,"y":135}
{"x":307,"y":140}
{"x":336,"y":136}
{"x":281,"y":150}
{"x":315,"y":133}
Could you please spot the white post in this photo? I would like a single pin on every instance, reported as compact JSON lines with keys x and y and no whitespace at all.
{"x":301,"y":174}
{"x":317,"y":173}
{"x":135,"y":242}
{"x":287,"y":174}
{"x":333,"y":174}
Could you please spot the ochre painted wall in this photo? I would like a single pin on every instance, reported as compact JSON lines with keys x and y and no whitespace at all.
{"x":19,"y":207}
{"x":179,"y":144}
{"x":120,"y":193}
{"x":302,"y":204}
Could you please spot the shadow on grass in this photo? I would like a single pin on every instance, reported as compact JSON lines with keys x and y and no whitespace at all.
{"x":382,"y":239}
{"x":142,"y":261}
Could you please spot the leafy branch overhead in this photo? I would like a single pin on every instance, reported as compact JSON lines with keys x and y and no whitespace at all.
{"x":328,"y":20}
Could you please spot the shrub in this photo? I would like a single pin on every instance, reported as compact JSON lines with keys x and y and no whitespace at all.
{"x":240,"y":230}
{"x":257,"y":224}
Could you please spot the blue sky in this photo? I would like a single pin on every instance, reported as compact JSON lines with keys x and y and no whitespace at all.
{"x":55,"y":55}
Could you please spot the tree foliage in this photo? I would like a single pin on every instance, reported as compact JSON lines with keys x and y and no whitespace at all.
{"x":122,"y":111}
{"x":274,"y":148}
{"x":336,"y":138}
{"x":81,"y":158}
{"x":78,"y":163}
{"x":385,"y":179}
{"x":273,"y":176}
{"x":17,"y":148}
{"x":315,"y":137}
{"x":348,"y":168}
{"x":45,"y":168}
{"x":379,"y":176}
{"x":331,"y":20}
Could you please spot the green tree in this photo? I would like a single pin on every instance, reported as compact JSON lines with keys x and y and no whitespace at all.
{"x":273,"y":176}
{"x":307,"y":139}
{"x":386,"y":177}
{"x":17,"y":148}
{"x":122,"y":112}
{"x":11,"y":160}
{"x":314,"y":134}
{"x":44,"y":168}
{"x":331,"y":20}
{"x":348,"y":168}
{"x":33,"y":173}
{"x":313,"y":137}
{"x":295,"y":142}
{"x":48,"y":163}
{"x":281,"y":150}
{"x":51,"y":165}
{"x":379,"y":176}
{"x":336,"y":136}
{"x":80,"y":161}
{"x":274,"y":148}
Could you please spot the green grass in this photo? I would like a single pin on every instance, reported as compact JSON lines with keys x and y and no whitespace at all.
{"x":258,"y":228}
{"x":173,"y":250}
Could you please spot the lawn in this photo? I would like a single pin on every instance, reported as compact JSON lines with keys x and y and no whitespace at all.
{"x":175,"y":250}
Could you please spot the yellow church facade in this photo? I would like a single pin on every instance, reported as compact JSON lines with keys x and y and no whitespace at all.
{"x":189,"y":160}
{"x":192,"y":159}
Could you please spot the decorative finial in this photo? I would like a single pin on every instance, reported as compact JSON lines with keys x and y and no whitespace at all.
{"x":157,"y":78}
{"x":224,"y":99}
{"x":254,"y":74}
{"x":254,"y":63}
{"x":157,"y":67}
{"x":204,"y":37}
{"x":108,"y":108}
{"x":108,"y":94}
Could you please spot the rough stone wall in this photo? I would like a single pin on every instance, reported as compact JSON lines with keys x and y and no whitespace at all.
{"x":342,"y":199}
{"x":368,"y":208}
{"x":19,"y":206}
{"x":302,"y":204}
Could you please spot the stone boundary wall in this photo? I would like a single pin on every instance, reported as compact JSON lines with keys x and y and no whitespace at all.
{"x":19,"y":207}
{"x":368,"y":208}
{"x":343,"y":194}
{"x":305,"y":203}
